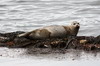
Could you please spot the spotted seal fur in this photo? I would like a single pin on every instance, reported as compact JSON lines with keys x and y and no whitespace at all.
{"x":53,"y":31}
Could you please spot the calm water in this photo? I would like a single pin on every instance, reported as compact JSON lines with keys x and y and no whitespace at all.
{"x":26,"y":15}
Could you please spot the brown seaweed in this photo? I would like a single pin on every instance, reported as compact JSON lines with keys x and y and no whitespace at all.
{"x":80,"y":42}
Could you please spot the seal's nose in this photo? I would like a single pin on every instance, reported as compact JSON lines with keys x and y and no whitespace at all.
{"x":78,"y":26}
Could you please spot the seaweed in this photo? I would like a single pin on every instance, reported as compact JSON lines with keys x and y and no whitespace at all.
{"x":80,"y":42}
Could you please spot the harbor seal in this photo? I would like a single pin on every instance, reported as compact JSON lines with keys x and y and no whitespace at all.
{"x":53,"y":31}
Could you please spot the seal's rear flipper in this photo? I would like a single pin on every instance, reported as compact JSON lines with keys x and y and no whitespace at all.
{"x":24,"y":34}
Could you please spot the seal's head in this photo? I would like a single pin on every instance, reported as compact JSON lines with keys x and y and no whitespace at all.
{"x":74,"y":28}
{"x":76,"y":24}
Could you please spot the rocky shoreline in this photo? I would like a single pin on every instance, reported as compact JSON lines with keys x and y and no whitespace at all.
{"x":80,"y":42}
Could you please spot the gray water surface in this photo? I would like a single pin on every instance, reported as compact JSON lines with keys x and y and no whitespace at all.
{"x":26,"y":15}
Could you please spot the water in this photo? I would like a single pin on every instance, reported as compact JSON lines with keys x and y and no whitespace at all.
{"x":26,"y":15}
{"x":18,"y":57}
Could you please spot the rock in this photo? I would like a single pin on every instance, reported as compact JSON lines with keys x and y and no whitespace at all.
{"x":80,"y":42}
{"x":83,"y":41}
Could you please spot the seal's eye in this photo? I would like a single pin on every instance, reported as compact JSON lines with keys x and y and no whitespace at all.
{"x":74,"y":23}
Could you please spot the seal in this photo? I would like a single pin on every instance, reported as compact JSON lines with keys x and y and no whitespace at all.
{"x":53,"y":31}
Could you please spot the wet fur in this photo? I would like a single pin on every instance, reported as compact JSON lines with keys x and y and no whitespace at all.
{"x":54,"y":31}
